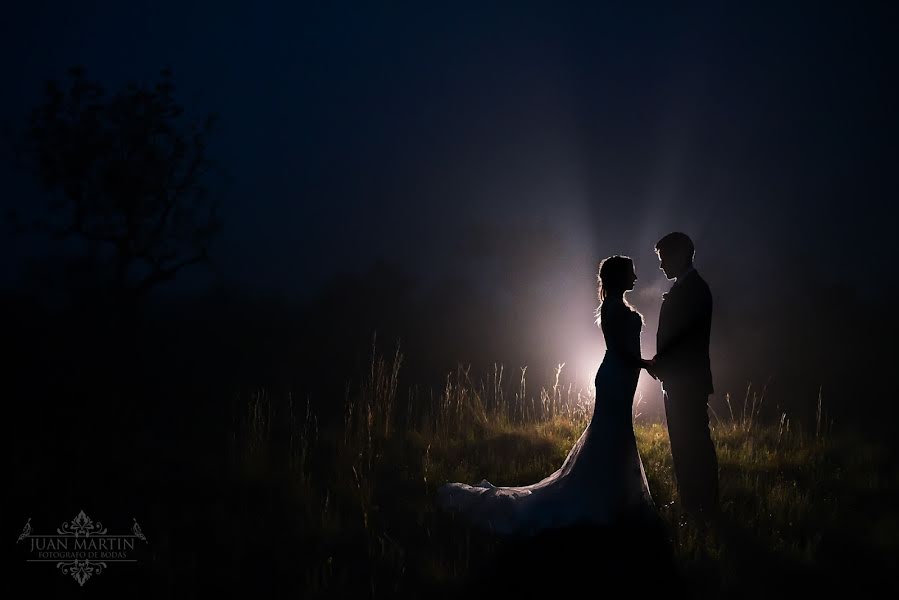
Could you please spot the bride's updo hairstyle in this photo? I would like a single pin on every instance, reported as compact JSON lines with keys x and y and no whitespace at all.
{"x":614,"y":272}
{"x":614,"y":279}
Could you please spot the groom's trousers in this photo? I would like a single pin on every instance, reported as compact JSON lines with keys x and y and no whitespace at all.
{"x":692,"y":450}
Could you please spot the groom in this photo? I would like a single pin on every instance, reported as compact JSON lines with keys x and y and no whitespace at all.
{"x":682,"y":364}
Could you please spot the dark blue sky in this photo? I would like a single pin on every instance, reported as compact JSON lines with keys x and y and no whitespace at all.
{"x":385,"y":128}
{"x":514,"y":145}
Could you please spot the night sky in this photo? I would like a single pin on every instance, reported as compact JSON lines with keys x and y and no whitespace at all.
{"x":495,"y":154}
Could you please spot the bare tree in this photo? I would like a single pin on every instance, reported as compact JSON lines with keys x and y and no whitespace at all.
{"x":124,"y":173}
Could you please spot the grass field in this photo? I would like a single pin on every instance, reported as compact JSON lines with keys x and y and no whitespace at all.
{"x":805,"y":510}
{"x":264,"y":493}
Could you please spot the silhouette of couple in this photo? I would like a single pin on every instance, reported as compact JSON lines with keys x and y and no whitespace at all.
{"x":602,"y":480}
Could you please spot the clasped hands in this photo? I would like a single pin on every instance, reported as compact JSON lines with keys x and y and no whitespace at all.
{"x":650,"y":366}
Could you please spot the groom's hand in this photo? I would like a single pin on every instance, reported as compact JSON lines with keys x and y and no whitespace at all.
{"x":651,"y":368}
{"x":646,"y":364}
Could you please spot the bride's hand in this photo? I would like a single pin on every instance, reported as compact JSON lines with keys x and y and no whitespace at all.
{"x":649,"y":365}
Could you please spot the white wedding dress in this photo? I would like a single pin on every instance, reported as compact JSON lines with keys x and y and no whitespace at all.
{"x":601,"y":480}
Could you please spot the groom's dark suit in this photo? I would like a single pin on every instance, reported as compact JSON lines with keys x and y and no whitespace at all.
{"x":682,"y":363}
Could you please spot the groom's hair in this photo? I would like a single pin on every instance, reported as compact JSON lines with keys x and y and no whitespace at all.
{"x":676,"y":243}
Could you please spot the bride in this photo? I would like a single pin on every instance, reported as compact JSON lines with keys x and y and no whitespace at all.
{"x":602,"y":479}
